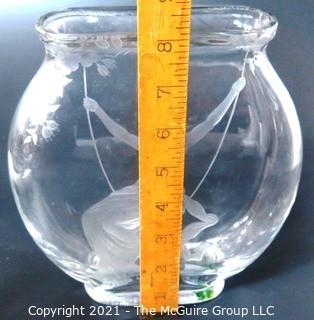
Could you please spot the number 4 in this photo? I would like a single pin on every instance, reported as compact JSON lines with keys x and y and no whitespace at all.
{"x":162,"y":206}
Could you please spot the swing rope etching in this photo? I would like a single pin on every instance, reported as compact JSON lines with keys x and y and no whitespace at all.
{"x":88,"y":110}
{"x":193,"y":136}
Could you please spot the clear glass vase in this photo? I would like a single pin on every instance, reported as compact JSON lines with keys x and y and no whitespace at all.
{"x":73,"y":156}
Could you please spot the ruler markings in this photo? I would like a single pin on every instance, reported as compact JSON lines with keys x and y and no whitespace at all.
{"x":162,"y":42}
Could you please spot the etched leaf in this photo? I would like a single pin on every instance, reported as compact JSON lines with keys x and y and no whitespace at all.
{"x":103,"y":70}
{"x":193,"y":230}
{"x":109,"y":63}
{"x":48,"y":129}
{"x":51,"y":125}
{"x":46,"y":133}
{"x":53,"y":107}
{"x":28,"y":140}
{"x":211,"y":219}
{"x":195,"y":209}
{"x":35,"y":138}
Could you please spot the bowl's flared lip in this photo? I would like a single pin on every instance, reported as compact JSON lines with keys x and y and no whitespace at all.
{"x":48,"y":34}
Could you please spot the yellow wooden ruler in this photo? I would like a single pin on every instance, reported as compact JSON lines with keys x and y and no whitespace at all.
{"x":163,"y":56}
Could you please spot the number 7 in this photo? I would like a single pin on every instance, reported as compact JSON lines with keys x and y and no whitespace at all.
{"x":160,"y":92}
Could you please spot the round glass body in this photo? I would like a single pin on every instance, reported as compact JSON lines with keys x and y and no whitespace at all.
{"x":73,"y":156}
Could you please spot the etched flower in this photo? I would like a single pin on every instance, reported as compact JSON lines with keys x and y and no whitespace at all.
{"x":206,"y":220}
{"x":105,"y":66}
{"x":32,"y":137}
{"x":69,"y":59}
{"x":48,"y":129}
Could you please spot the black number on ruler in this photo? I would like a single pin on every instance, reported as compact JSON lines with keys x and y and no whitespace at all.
{"x":160,"y":92}
{"x":162,"y":172}
{"x":163,"y":134}
{"x":165,"y":46}
{"x":161,"y":206}
{"x":163,"y":1}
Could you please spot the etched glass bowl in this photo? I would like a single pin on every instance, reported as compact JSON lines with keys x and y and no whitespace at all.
{"x":73,"y":157}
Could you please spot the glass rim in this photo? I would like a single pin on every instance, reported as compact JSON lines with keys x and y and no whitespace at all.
{"x":268,"y":29}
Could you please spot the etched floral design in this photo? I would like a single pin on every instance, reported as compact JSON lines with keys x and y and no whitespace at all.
{"x":206,"y":220}
{"x":69,"y":60}
{"x":32,"y":137}
{"x":41,"y":122}
{"x":47,"y":130}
